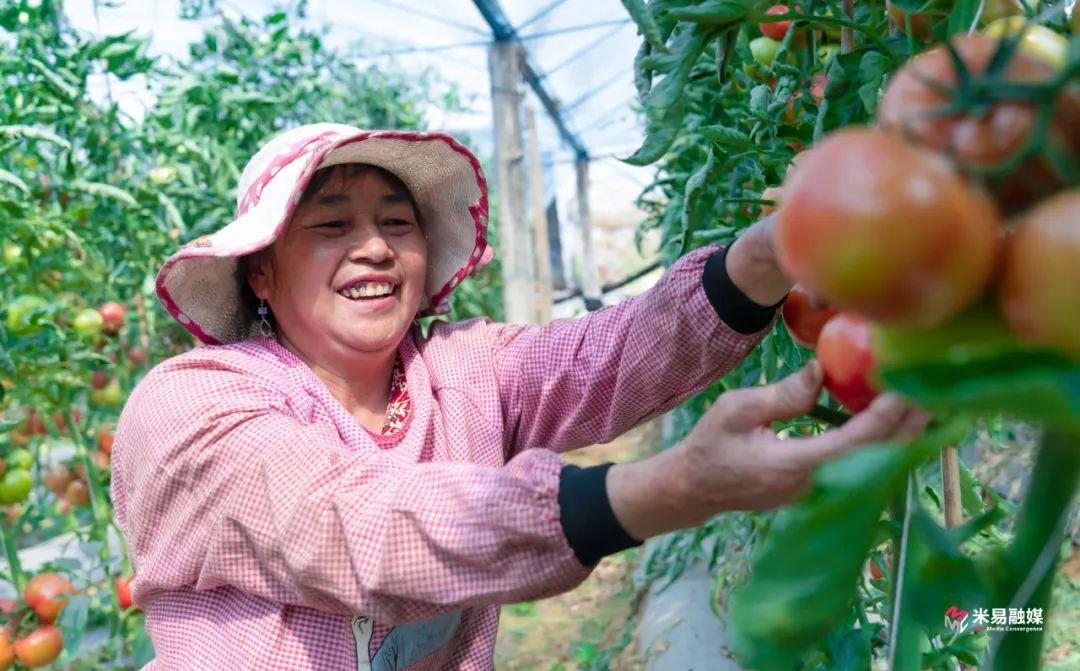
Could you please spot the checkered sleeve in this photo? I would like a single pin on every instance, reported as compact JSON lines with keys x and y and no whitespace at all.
{"x":586,"y":380}
{"x":224,"y":485}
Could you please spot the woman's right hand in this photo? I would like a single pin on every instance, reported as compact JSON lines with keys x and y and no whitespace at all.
{"x":733,"y":460}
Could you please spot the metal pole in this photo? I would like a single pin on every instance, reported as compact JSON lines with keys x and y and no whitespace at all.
{"x":505,"y":59}
{"x":539,"y":222}
{"x":590,"y":278}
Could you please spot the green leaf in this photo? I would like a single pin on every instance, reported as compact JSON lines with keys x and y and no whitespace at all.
{"x":13,"y":179}
{"x":72,"y":621}
{"x":722,"y":135}
{"x":665,"y":105}
{"x":105,"y":190}
{"x":33,"y":133}
{"x":646,"y":23}
{"x":715,"y":13}
{"x":695,"y":207}
{"x":69,"y":91}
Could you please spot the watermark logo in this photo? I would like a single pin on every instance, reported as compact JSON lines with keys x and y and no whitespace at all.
{"x":994,"y":619}
{"x":956,"y":619}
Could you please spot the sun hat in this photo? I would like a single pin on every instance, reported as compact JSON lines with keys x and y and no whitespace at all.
{"x":197,"y":283}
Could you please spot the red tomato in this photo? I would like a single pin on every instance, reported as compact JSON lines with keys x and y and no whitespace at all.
{"x":105,"y":441}
{"x":881,"y":227}
{"x":985,"y":138}
{"x":44,"y":594}
{"x":58,"y":478}
{"x":777,"y":30}
{"x":845,"y":350}
{"x":112,"y":314}
{"x":77,"y":493}
{"x":99,"y":379}
{"x":803,"y":319}
{"x":123,"y":592}
{"x":921,"y":24}
{"x":40,"y":647}
{"x":1040,"y":291}
{"x":7,"y":653}
{"x":137,"y":356}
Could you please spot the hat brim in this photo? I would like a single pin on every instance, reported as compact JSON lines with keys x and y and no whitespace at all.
{"x":197,"y":284}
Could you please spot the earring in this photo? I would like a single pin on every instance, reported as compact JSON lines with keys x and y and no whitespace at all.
{"x":264,"y":326}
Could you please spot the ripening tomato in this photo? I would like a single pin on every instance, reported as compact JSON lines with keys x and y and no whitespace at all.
{"x":44,"y":594}
{"x":77,"y":494}
{"x":921,"y":24}
{"x":123,"y":592}
{"x":105,"y":439}
{"x":985,"y":138}
{"x":775,"y":31}
{"x":40,"y":647}
{"x":99,"y":379}
{"x":88,"y":324}
{"x":112,"y":315}
{"x":58,"y":478}
{"x":804,"y":319}
{"x":845,"y":350}
{"x":1039,"y":42}
{"x":994,"y":10}
{"x":878,"y":226}
{"x":7,"y":653}
{"x":1040,"y":291}
{"x":137,"y":356}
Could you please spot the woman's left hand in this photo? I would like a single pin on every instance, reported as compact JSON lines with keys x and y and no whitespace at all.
{"x":753,"y":266}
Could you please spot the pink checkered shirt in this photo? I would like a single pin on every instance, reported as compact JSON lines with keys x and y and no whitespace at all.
{"x":269,"y":529}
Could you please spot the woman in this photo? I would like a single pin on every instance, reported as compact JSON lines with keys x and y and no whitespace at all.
{"x":323,"y":488}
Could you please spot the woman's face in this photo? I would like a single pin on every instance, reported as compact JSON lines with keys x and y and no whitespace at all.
{"x":348,"y":229}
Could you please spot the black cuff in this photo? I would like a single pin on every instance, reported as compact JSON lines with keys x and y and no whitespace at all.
{"x":733,"y":307}
{"x":589,"y":523}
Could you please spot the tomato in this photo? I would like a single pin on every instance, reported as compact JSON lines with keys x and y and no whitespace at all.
{"x":775,"y":31}
{"x":112,"y":313}
{"x":105,"y":439}
{"x":44,"y":594}
{"x":137,"y":356}
{"x":804,"y":319}
{"x":764,"y":50}
{"x":7,"y":653}
{"x":1039,"y":42}
{"x":1040,"y":290}
{"x":40,"y":647}
{"x":921,"y":24}
{"x":15,"y":485}
{"x":850,"y":230}
{"x":985,"y":138}
{"x":875,"y":571}
{"x":827,"y":52}
{"x":13,"y":254}
{"x":77,"y":494}
{"x":20,"y":458}
{"x":845,"y":350}
{"x":123,"y":592}
{"x":99,"y":379}
{"x":88,"y":323}
{"x":58,"y":478}
{"x":109,"y":396}
{"x":20,"y":320}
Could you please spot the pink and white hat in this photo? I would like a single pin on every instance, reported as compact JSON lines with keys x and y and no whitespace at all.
{"x":197,"y":284}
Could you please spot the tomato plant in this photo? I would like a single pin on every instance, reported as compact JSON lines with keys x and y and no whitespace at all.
{"x":980,"y":129}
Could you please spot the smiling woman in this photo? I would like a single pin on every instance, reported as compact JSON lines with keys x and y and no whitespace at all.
{"x":343,"y":492}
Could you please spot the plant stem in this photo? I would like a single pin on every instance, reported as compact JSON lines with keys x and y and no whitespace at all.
{"x":18,"y":579}
{"x":904,"y":648}
{"x":847,"y":36}
{"x":950,"y":487}
{"x":1028,"y":565}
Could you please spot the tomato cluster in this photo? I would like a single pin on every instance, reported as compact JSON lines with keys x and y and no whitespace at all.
{"x":949,"y":199}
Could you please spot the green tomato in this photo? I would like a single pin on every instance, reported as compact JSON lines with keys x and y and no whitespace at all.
{"x":15,"y":485}
{"x":88,"y":323}
{"x":108,"y":396}
{"x":826,"y":52}
{"x":18,"y":315}
{"x":13,"y":254}
{"x":764,"y":50}
{"x":20,"y":458}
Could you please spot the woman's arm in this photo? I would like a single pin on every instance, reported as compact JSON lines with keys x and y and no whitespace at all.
{"x":578,"y":382}
{"x":217,"y":483}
